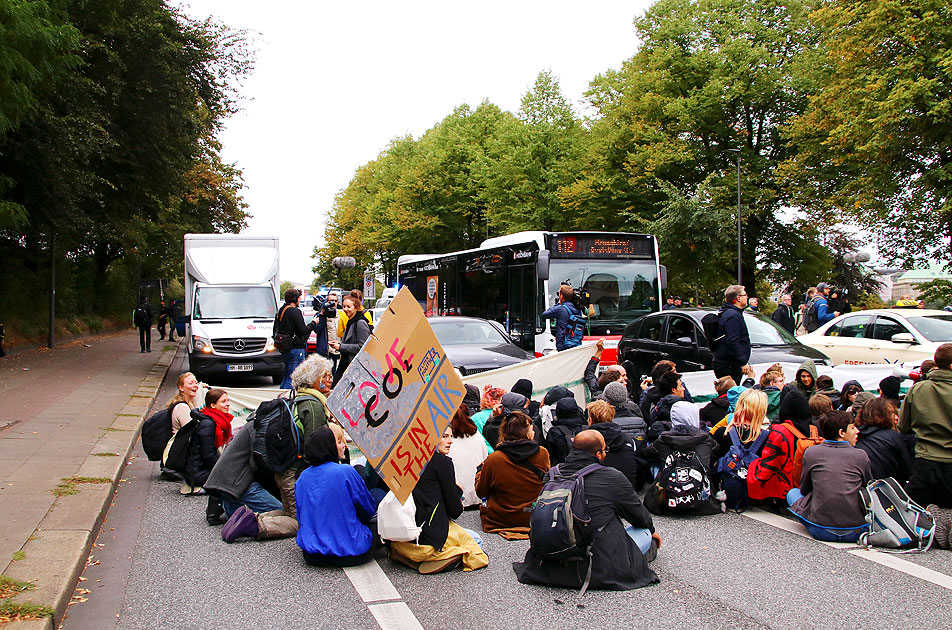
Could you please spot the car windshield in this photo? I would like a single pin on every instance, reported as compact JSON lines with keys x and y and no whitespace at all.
{"x":473,"y":333}
{"x":936,"y":328}
{"x":765,"y":332}
{"x":234,"y":303}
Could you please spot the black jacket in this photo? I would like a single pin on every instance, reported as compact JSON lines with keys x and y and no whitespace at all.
{"x":617,"y":563}
{"x":292,"y":321}
{"x":355,"y":334}
{"x":558,"y":439}
{"x":437,"y":499}
{"x":734,"y":347}
{"x":621,"y":451}
{"x":890,"y":452}
{"x":714,"y":411}
{"x":202,"y":454}
{"x":590,"y":379}
{"x":785,"y":317}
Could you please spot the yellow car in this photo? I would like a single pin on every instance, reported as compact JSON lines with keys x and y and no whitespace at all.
{"x":891,"y":335}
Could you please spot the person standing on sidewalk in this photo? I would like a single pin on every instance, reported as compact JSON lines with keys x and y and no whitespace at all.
{"x":733,"y":347}
{"x":291,"y":321}
{"x":142,"y":318}
{"x":162,"y":321}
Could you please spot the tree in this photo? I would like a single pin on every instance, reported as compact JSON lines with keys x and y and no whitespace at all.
{"x":710,"y":76}
{"x":875,"y":139}
{"x":936,"y":293}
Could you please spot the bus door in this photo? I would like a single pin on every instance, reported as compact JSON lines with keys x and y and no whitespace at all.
{"x":522,"y":313}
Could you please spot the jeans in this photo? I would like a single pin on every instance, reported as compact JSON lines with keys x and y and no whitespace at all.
{"x":641,"y":536}
{"x":827,"y":534}
{"x":292,"y":359}
{"x":256,"y":498}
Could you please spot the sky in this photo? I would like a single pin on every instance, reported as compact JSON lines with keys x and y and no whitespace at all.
{"x":335,"y":82}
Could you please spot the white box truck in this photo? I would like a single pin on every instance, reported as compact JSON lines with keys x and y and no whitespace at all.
{"x":231,"y":297}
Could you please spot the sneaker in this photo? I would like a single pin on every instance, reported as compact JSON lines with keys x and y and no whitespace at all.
{"x":243,"y":522}
{"x":943,"y":521}
{"x":436,"y":566}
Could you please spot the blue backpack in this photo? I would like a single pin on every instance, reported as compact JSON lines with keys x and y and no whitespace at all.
{"x":574,"y":329}
{"x":732,"y":468}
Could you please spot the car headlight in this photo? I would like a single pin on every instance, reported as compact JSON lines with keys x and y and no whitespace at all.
{"x":200,"y":344}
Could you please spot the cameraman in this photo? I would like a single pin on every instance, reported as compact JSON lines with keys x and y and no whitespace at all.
{"x":329,"y":312}
{"x":561,"y":313}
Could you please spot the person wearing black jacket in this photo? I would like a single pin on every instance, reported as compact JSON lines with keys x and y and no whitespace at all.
{"x":784,"y":315}
{"x":290,"y":320}
{"x":142,"y":318}
{"x":569,"y":420}
{"x":891,"y":453}
{"x":621,"y":449}
{"x":617,"y":562}
{"x":732,"y":354}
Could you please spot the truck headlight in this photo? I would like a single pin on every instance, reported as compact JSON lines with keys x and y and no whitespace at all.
{"x":200,"y":344}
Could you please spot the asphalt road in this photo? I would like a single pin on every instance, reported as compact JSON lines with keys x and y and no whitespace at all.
{"x":157,"y":564}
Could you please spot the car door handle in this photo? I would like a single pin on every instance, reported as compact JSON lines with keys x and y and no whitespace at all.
{"x":662,"y":354}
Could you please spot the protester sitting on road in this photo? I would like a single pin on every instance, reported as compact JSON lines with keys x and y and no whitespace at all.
{"x":620,"y":453}
{"x":491,"y":397}
{"x":611,"y":374}
{"x":507,"y":404}
{"x":210,"y":437}
{"x":659,"y":419}
{"x":442,"y":544}
{"x":187,"y":387}
{"x":569,"y":420}
{"x":848,"y":395}
{"x":652,"y":393}
{"x":687,"y":438}
{"x":771,"y":383}
{"x":511,"y":477}
{"x":619,"y":554}
{"x":824,"y":385}
{"x":805,"y":378}
{"x":889,"y":389}
{"x":890,"y":452}
{"x":828,"y":500}
{"x":524,"y":386}
{"x":749,"y":419}
{"x":250,"y":508}
{"x":355,"y":334}
{"x":467,"y":450}
{"x":335,"y":510}
{"x":733,"y":395}
{"x":771,"y":476}
{"x":471,"y":399}
{"x":311,"y":382}
{"x":820,"y":405}
{"x":616,"y":394}
{"x":716,"y":410}
{"x":860,"y":401}
{"x":547,"y":411}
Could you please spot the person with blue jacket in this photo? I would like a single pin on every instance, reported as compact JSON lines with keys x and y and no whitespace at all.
{"x":561,"y":313}
{"x":732,"y":352}
{"x":335,"y":510}
{"x":822,"y":304}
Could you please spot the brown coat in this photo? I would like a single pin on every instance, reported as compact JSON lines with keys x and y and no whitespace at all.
{"x":508,"y":487}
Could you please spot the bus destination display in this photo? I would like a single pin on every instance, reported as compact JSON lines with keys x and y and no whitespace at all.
{"x":607,"y":246}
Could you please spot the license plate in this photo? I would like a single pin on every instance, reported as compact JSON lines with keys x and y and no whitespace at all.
{"x":241,"y":367}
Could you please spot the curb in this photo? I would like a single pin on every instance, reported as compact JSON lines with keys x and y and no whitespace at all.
{"x":56,"y":555}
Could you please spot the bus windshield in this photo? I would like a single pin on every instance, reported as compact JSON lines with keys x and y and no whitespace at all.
{"x":234,"y":303}
{"x":621,"y":290}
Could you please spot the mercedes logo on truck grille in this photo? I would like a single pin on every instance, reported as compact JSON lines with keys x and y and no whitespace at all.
{"x":239,"y":344}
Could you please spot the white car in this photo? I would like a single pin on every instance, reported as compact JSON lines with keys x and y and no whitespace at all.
{"x":892,"y":335}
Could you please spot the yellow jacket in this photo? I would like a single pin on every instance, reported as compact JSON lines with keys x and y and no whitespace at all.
{"x":342,"y":321}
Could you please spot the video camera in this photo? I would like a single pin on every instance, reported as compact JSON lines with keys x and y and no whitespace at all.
{"x":321,"y":307}
{"x":581,"y":298}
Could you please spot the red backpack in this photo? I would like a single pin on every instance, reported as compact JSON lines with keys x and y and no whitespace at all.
{"x":772,"y":474}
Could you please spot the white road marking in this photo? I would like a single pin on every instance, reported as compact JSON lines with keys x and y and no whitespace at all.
{"x":395,"y":616}
{"x":371,"y":582}
{"x":373,"y":585}
{"x":891,"y":560}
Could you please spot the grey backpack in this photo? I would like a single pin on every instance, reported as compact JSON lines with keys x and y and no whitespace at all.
{"x":895,"y":521}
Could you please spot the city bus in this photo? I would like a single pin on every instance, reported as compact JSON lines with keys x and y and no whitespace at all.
{"x":513,"y":279}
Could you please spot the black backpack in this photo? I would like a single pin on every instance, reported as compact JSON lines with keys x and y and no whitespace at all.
{"x":710,"y":323}
{"x":140,"y":317}
{"x":683,"y":483}
{"x":157,"y":431}
{"x":811,"y":319}
{"x":277,"y":441}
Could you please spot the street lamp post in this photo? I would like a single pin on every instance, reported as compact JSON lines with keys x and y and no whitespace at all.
{"x":739,"y":239}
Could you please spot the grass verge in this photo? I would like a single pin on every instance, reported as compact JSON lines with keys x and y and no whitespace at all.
{"x":12,"y":611}
{"x":10,"y":587}
{"x":18,"y":555}
{"x":70,"y":485}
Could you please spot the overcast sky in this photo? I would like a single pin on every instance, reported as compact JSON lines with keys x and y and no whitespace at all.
{"x":335,"y":82}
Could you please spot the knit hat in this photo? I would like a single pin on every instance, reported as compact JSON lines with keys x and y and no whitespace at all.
{"x":616,"y":393}
{"x":889,"y":387}
{"x":523,"y":386}
{"x":685,"y":414}
{"x":794,"y":406}
{"x":513,"y":402}
{"x":556,"y":394}
{"x":566,"y":408}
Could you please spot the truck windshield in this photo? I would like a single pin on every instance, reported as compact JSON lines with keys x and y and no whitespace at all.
{"x":234,"y":303}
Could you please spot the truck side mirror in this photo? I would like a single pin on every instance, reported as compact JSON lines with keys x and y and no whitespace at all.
{"x":542,"y":265}
{"x":664,"y":277}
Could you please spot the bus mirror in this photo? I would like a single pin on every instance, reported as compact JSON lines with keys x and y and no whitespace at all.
{"x":542,"y":265}
{"x":664,"y":277}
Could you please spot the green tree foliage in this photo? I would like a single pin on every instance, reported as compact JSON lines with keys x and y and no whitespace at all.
{"x":711,"y":75}
{"x":936,"y":293}
{"x":876,"y":139}
{"x":116,"y":152}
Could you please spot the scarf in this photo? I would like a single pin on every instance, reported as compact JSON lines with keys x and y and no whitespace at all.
{"x":222,"y":425}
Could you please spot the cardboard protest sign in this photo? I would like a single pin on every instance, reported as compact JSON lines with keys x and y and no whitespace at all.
{"x":398,"y":395}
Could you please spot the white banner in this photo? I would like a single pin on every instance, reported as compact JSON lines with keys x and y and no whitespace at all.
{"x":558,"y":368}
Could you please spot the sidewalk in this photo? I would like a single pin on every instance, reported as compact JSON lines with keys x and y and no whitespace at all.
{"x":69,"y":413}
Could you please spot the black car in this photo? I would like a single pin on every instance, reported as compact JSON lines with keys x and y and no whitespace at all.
{"x":677,"y":335}
{"x":476,"y":345}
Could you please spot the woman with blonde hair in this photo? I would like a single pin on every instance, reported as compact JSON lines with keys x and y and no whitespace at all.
{"x":740,"y":443}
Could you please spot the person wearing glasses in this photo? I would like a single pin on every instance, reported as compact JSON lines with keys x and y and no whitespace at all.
{"x":732,"y":345}
{"x":619,"y":553}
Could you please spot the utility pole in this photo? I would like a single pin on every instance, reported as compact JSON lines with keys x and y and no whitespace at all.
{"x":739,"y":237}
